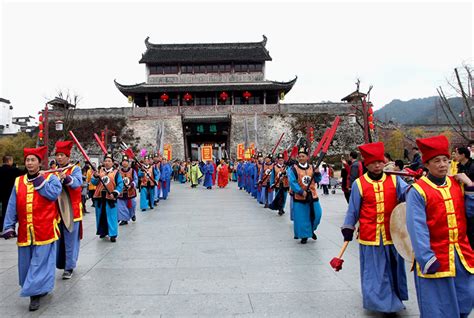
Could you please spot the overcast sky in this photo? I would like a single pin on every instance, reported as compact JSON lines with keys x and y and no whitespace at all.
{"x":405,"y":50}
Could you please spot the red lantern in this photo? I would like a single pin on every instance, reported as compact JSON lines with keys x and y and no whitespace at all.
{"x":187,"y":97}
{"x":371,"y":117}
{"x":370,"y":111}
{"x":40,"y":126}
{"x":311,"y":134}
{"x":223,"y":96}
{"x":371,"y":126}
{"x":164,"y":97}
{"x":40,"y":118}
{"x":247,"y":95}
{"x":40,"y":135}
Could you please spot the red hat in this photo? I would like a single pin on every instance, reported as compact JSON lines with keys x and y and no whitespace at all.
{"x":39,"y":152}
{"x":432,"y":147}
{"x":372,"y":152}
{"x":64,"y":147}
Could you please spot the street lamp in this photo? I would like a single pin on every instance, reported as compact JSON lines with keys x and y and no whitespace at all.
{"x":59,"y":125}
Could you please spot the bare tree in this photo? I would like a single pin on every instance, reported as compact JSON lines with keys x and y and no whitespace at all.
{"x":64,"y":106}
{"x":461,"y":85}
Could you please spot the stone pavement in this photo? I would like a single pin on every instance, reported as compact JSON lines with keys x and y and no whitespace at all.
{"x":208,"y":254}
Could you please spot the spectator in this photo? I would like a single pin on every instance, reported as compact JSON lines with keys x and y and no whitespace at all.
{"x":8,"y":174}
{"x":416,"y":162}
{"x":324,"y":178}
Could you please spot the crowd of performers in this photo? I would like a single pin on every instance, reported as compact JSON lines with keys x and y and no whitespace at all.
{"x":270,"y":180}
{"x":48,"y":239}
{"x":439,"y":214}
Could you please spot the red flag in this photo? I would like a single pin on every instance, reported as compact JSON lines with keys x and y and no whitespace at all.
{"x":294,"y":152}
{"x":285,"y":155}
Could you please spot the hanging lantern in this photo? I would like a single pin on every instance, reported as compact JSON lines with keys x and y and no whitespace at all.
{"x":40,"y":126}
{"x":370,"y":111}
{"x":164,"y":97}
{"x":371,"y":126}
{"x":311,"y":134}
{"x":40,"y":118}
{"x":223,"y":96}
{"x":187,"y":97}
{"x":371,"y":118}
{"x":40,"y":135}
{"x":247,"y":95}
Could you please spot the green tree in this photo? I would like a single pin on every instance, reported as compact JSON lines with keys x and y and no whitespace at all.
{"x":13,"y":146}
{"x":394,"y":144}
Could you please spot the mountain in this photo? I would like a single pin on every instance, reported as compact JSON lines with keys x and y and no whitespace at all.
{"x":417,"y":111}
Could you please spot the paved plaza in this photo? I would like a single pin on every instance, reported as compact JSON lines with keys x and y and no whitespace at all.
{"x":204,"y":253}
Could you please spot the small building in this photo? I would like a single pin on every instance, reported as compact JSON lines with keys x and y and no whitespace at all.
{"x":7,"y":124}
{"x":27,"y":124}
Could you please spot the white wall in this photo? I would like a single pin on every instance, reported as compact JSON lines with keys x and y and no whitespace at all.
{"x":6,"y":119}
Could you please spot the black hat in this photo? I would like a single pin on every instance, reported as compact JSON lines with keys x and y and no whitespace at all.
{"x":260,"y":155}
{"x":146,"y":157}
{"x":108,"y":155}
{"x":125,"y":158}
{"x":303,"y":149}
{"x":270,"y":156}
{"x":280,"y":156}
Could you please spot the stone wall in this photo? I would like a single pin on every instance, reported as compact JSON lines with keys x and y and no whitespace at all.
{"x":272,"y":121}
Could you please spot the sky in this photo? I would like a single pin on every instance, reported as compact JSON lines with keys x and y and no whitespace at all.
{"x":405,"y":50}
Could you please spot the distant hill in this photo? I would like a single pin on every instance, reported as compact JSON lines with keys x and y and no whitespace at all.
{"x":417,"y":111}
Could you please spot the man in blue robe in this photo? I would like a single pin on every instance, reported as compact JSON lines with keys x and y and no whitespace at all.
{"x":436,"y":222}
{"x":373,"y":197}
{"x":149,"y":176}
{"x":71,"y":179}
{"x":106,"y":200}
{"x":307,"y":210}
{"x":165,"y":178}
{"x":32,"y":205}
{"x":240,"y":175}
{"x":208,"y":170}
{"x":126,"y":202}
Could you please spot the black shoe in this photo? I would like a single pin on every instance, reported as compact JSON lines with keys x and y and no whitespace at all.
{"x":123,"y":223}
{"x":314,"y":237}
{"x":143,"y":210}
{"x":266,"y":206}
{"x":102,"y":236}
{"x":34,"y":303}
{"x":281,"y":212}
{"x":134,"y":218}
{"x":113,"y":239}
{"x":304,"y":240}
{"x":67,"y":274}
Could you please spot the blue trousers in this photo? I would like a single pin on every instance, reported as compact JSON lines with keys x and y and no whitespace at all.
{"x":36,"y":269}
{"x":68,"y":247}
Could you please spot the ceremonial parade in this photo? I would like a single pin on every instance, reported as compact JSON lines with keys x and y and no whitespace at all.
{"x":206,"y":189}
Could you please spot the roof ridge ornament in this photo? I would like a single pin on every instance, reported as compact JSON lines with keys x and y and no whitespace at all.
{"x":147,"y":43}
{"x":264,"y":41}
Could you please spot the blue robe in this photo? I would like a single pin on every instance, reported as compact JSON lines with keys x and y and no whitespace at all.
{"x":111,"y":213}
{"x":69,"y":242}
{"x":36,"y":263}
{"x":303,"y":227}
{"x":165,"y":180}
{"x":124,"y":212}
{"x":258,"y":186}
{"x":157,"y":187}
{"x":240,"y":175}
{"x":147,"y":194}
{"x":266,"y":199}
{"x":207,"y":171}
{"x":437,"y":297}
{"x":382,"y":269}
{"x":253,"y":172}
{"x":247,"y":177}
{"x":277,"y":190}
